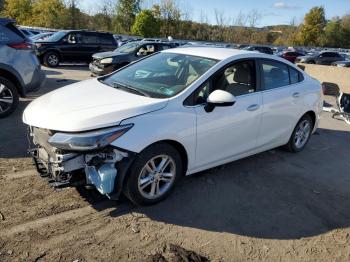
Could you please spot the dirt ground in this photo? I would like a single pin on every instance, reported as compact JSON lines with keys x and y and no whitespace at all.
{"x":274,"y":206}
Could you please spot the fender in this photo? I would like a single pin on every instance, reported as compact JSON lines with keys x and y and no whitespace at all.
{"x":13,"y":72}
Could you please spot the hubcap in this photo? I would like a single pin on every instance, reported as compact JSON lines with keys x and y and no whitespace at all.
{"x":6,"y":98}
{"x":53,"y":60}
{"x":157,"y":176}
{"x":302,"y":133}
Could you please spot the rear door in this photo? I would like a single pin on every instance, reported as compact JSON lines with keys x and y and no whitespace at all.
{"x":282,"y":102}
{"x":106,"y":42}
{"x":90,"y":46}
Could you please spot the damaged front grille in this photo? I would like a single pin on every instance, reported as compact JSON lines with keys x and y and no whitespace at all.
{"x":62,"y":167}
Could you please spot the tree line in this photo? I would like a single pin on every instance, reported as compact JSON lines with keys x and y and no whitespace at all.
{"x":167,"y":18}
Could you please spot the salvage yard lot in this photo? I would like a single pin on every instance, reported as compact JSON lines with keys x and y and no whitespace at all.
{"x":275,"y":206}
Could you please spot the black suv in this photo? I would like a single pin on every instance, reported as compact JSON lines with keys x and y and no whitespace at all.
{"x":107,"y":62}
{"x":73,"y":46}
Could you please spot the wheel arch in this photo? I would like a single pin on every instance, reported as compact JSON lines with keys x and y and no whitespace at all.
{"x":11,"y":76}
{"x":179,"y":147}
{"x":312,"y":114}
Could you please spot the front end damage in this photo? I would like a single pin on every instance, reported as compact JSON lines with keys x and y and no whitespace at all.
{"x":103,"y":168}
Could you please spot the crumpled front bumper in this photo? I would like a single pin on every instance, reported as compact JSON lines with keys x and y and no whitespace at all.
{"x":104,"y":169}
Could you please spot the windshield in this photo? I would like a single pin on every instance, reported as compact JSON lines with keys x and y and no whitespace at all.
{"x":56,"y":36}
{"x":161,"y":75}
{"x":128,"y":48}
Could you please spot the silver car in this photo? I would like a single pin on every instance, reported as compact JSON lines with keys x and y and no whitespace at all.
{"x":20,"y":70}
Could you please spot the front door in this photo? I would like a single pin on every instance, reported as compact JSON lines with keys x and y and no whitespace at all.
{"x":230,"y":131}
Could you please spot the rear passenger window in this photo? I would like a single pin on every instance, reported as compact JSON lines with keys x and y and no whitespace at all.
{"x":275,"y":74}
{"x":294,"y":76}
{"x":90,"y":39}
{"x":10,"y":33}
{"x":106,"y":39}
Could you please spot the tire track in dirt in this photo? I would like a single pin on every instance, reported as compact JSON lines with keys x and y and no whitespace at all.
{"x":103,"y":206}
{"x":26,"y":173}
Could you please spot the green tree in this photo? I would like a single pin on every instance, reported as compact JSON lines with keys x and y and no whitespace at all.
{"x":145,"y":25}
{"x":126,"y":12}
{"x":345,"y":23}
{"x":333,"y":36}
{"x":313,"y":27}
{"x":102,"y":21}
{"x":21,"y":10}
{"x":48,"y":13}
{"x":2,"y":2}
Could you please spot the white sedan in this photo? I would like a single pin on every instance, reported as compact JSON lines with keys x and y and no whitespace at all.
{"x":180,"y":111}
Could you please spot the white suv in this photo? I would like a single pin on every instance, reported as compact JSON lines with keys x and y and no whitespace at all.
{"x":176,"y":112}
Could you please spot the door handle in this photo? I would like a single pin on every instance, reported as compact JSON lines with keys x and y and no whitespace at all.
{"x":253,"y":107}
{"x":296,"y":95}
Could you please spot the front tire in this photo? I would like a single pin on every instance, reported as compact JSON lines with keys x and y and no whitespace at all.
{"x":9,"y":97}
{"x":153,"y":174}
{"x":51,"y":59}
{"x":301,"y":135}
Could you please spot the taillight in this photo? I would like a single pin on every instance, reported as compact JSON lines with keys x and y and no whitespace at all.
{"x":21,"y":45}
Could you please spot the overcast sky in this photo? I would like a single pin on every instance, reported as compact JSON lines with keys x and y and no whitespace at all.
{"x":273,"y":12}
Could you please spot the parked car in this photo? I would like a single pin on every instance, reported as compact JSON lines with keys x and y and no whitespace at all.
{"x":261,"y":49}
{"x":28,"y":33}
{"x":73,"y":46}
{"x":107,"y":62}
{"x":41,"y":36}
{"x":290,"y":55}
{"x":345,"y":63}
{"x":323,"y":58}
{"x":20,"y":70}
{"x":179,"y":111}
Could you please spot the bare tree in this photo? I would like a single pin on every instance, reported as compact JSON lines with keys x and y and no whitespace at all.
{"x":241,"y":19}
{"x":220,"y":17}
{"x":254,"y":17}
{"x":186,"y":13}
{"x":221,"y":22}
{"x":203,"y":18}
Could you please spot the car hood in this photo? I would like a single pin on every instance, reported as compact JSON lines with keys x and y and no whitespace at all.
{"x":87,"y":105}
{"x":107,"y":54}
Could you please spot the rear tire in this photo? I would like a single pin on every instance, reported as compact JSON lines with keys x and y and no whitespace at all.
{"x":9,"y":97}
{"x":51,"y":59}
{"x":149,"y":181}
{"x":301,"y":135}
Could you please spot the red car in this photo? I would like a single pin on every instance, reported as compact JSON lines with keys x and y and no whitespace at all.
{"x":290,"y":55}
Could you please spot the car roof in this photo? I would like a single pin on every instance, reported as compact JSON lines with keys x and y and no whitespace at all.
{"x":209,"y":52}
{"x":5,"y":21}
{"x":85,"y":31}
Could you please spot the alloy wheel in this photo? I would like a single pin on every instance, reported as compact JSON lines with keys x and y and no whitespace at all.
{"x":6,"y":98}
{"x":302,"y":133}
{"x":157,"y":176}
{"x":52,"y":60}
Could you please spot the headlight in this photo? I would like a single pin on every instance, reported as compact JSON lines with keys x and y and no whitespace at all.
{"x":88,"y":140}
{"x":107,"y":60}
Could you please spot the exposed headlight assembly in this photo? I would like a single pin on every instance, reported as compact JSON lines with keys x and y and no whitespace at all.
{"x":88,"y":141}
{"x":107,"y":61}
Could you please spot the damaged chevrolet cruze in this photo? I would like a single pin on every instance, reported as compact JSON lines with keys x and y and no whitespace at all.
{"x":177,"y":112}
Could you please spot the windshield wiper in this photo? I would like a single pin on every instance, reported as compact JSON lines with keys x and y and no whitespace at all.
{"x":130,"y":88}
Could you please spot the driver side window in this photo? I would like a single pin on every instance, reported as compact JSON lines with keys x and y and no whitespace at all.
{"x":238,"y":79}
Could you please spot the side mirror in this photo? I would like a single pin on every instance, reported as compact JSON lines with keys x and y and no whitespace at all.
{"x":219,"y":98}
